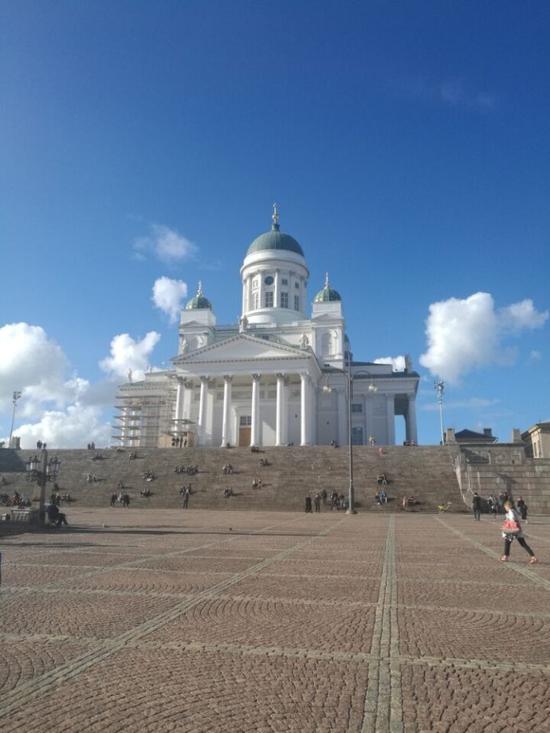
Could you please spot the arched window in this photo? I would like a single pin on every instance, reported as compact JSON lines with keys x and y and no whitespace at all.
{"x":326,"y":344}
{"x":193,"y":342}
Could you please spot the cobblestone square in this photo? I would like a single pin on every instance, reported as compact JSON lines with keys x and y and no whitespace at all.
{"x":207,"y":621}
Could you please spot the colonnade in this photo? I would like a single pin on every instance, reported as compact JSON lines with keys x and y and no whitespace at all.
{"x":184,"y":398}
{"x":307,"y":411}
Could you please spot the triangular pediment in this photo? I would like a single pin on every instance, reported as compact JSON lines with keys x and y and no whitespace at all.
{"x":242,"y":348}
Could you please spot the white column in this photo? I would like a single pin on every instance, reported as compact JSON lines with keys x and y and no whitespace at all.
{"x":281,"y":418}
{"x":390,"y":419}
{"x":202,"y":408}
{"x":261,"y":290}
{"x":342,"y":417}
{"x":250,"y":293}
{"x":246,"y":298}
{"x":187,"y":400}
{"x":255,"y":411}
{"x":277,"y":290}
{"x":312,"y":414}
{"x":226,"y":414}
{"x":305,"y":405}
{"x":410,"y":421}
{"x":179,"y":402}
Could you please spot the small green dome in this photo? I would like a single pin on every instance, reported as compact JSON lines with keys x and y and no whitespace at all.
{"x":327,"y":294}
{"x":199,"y":302}
{"x":275,"y":239}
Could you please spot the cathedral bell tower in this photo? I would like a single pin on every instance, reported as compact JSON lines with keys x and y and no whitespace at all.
{"x":197,"y":322}
{"x":274,"y":278}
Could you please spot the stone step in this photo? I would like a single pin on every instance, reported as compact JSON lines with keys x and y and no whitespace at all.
{"x":426,"y":473}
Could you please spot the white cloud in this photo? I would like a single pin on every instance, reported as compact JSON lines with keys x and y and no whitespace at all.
{"x":100,"y":394}
{"x":398,"y":362}
{"x":466,"y":334}
{"x":450,"y":93}
{"x":165,"y":243}
{"x":74,"y":427}
{"x":128,"y":354}
{"x":455,"y":94}
{"x":30,"y":361}
{"x":168,"y":295}
{"x":522,"y":315}
{"x":36,"y":366}
{"x":534,"y":356}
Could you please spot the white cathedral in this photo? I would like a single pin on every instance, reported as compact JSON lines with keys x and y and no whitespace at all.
{"x":276,"y":378}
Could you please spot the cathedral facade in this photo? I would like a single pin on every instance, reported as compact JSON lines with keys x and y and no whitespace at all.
{"x":278,"y":377}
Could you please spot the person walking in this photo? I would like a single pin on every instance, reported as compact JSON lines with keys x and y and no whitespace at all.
{"x":317,"y":502}
{"x":476,"y":506}
{"x":512,"y":528}
{"x":186,"y":495}
{"x":522,"y":509}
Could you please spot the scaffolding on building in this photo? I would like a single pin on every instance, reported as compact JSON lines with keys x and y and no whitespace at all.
{"x":146,"y":419}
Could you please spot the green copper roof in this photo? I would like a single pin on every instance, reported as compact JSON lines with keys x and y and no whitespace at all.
{"x":327,"y":294}
{"x":275,"y":239}
{"x":199,"y":302}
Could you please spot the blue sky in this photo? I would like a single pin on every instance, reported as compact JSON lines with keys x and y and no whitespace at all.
{"x":407,"y":144}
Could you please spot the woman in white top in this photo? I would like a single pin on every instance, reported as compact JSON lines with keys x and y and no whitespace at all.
{"x":513,"y":516}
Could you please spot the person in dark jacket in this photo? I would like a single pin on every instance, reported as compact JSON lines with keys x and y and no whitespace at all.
{"x":476,"y":506}
{"x":55,"y":516}
{"x":522,"y":508}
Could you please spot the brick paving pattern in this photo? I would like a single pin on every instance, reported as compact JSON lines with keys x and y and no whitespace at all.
{"x":206,"y":621}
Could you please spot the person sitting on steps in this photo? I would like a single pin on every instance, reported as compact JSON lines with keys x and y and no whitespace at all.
{"x":55,"y":516}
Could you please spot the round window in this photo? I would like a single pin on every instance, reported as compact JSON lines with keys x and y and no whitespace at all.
{"x":268,"y":280}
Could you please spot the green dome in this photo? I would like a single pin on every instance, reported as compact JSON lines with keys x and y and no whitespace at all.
{"x":199,"y":302}
{"x":275,"y":239}
{"x":327,"y":294}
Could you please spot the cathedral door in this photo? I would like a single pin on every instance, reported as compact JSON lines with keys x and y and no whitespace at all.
{"x":244,"y":436}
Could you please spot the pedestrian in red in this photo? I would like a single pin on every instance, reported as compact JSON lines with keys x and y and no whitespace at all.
{"x":512,"y":529}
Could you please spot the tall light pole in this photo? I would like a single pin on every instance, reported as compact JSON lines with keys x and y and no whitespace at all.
{"x":439,"y":387}
{"x":351,"y":488}
{"x":15,"y":397}
{"x":372,"y":388}
{"x":41,"y":470}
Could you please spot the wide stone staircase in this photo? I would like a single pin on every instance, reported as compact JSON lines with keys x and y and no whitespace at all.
{"x":529,"y":479}
{"x":426,"y":473}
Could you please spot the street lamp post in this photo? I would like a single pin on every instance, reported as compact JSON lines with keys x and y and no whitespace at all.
{"x":439,"y":387}
{"x":372,"y":388}
{"x":351,"y":489}
{"x":42,"y":471}
{"x":15,"y":397}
